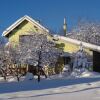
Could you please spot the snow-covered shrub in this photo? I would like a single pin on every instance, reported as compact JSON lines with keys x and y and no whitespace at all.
{"x":80,"y":63}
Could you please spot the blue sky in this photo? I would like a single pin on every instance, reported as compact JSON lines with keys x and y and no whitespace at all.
{"x":49,"y":12}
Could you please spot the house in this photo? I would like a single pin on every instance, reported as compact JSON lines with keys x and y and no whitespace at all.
{"x":23,"y":26}
{"x":26,"y":25}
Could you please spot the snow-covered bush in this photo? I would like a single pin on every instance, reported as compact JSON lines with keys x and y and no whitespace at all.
{"x":80,"y":63}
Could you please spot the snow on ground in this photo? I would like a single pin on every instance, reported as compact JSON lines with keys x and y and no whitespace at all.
{"x":79,"y":73}
{"x":84,"y":88}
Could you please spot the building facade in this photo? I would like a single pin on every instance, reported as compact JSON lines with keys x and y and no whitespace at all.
{"x":26,"y":25}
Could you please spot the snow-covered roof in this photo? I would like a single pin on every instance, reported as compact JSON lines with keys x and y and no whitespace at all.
{"x":86,"y":45}
{"x":19,"y":21}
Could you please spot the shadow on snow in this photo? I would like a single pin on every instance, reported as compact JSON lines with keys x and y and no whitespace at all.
{"x":44,"y":84}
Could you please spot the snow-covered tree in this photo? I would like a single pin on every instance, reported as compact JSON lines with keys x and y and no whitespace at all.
{"x":80,"y":63}
{"x":4,"y":59}
{"x":37,"y":50}
{"x":81,"y":58}
{"x":87,"y":32}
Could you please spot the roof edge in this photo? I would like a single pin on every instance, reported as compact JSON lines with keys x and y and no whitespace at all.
{"x":77,"y":42}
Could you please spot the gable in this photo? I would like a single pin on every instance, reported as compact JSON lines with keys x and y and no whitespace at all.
{"x":25,"y":28}
{"x":15,"y":26}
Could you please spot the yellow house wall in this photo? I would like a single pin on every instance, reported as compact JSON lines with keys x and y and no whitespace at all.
{"x":24,"y":28}
{"x":71,"y":47}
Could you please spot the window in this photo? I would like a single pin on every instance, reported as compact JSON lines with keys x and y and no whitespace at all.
{"x":36,"y":28}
